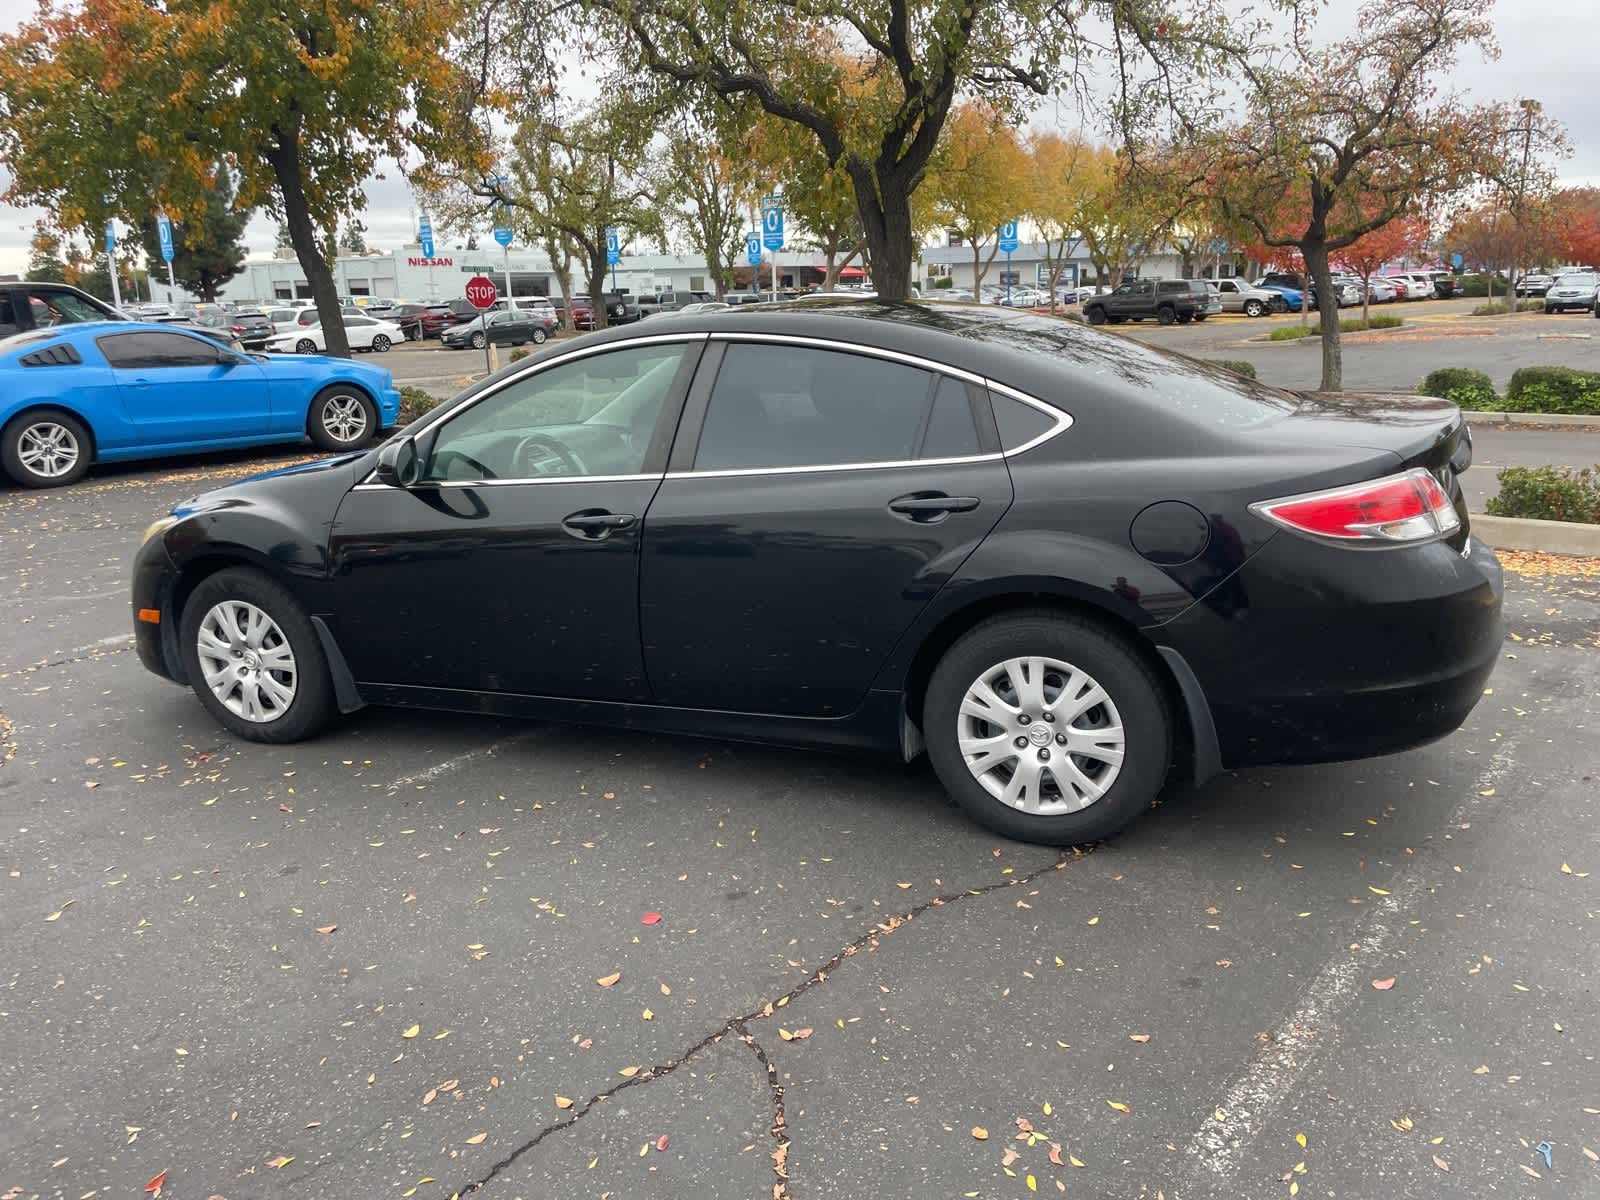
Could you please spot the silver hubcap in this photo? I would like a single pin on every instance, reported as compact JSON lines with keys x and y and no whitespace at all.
{"x":48,"y":450}
{"x":247,"y":661}
{"x":345,"y":418}
{"x":1041,"y":735}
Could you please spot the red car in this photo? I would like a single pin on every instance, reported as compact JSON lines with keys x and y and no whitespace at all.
{"x":581,"y":309}
{"x":436,"y":318}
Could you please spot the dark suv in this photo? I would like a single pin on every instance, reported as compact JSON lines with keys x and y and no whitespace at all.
{"x":1166,"y":300}
{"x":25,"y":306}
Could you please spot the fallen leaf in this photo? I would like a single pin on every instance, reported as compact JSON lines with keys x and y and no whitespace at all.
{"x":279,"y":1163}
{"x":412,"y":1032}
{"x":979,"y":1132}
{"x":181,"y":1052}
{"x":1046,"y":1108}
{"x":661,"y":1142}
{"x":628,"y":1072}
{"x":1440,"y":1163}
{"x":1300,"y":1140}
{"x":1590,"y":1154}
{"x":1033,"y":1184}
{"x":155,"y":1184}
{"x":428,"y":1096}
{"x":476,"y":1139}
{"x":650,"y":918}
{"x":449,"y":1085}
{"x":441,"y":1035}
{"x":326,"y":928}
{"x":648,"y":1015}
{"x":1141,"y":1038}
{"x":1377,"y":891}
{"x":1480,"y":1070}
{"x":1075,"y":1160}
{"x":1055,"y":1154}
{"x":1119,"y":1106}
{"x":563,"y":1102}
{"x":1094,"y":920}
{"x":802,"y":1034}
{"x":1383,"y":985}
{"x":608,"y":980}
{"x":1566,"y":870}
{"x":902,"y":886}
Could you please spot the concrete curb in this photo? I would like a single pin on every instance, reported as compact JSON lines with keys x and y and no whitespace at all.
{"x":1547,"y":537}
{"x":1499,"y":418}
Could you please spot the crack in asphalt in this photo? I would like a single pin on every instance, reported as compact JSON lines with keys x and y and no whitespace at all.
{"x":739,"y":1025}
{"x":780,"y":1118}
{"x":89,"y":653}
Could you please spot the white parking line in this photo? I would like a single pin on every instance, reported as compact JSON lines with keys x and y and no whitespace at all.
{"x":450,"y":766}
{"x":1312,"y":1027}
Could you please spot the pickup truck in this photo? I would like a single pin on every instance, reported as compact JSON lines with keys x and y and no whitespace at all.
{"x":1166,"y":300}
{"x":651,"y":303}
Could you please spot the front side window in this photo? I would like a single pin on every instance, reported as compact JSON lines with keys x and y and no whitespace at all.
{"x":63,"y":308}
{"x":591,"y":416}
{"x":793,"y":406}
{"x":155,"y":351}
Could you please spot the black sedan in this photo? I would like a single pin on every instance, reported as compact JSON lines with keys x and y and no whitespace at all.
{"x":1068,"y":566}
{"x":515,"y":328}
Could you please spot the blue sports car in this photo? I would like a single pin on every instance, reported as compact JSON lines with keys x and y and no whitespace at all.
{"x":105,"y":391}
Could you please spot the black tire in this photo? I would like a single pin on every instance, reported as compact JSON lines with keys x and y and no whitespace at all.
{"x":539,"y":337}
{"x":1548,"y":310}
{"x":1095,"y":315}
{"x":1120,"y":320}
{"x":381,"y":344}
{"x":305,"y":346}
{"x":1254,"y":308}
{"x":478,"y":341}
{"x":1201,"y":316}
{"x":1166,"y":314}
{"x":1185,"y":318}
{"x":329,"y":424}
{"x":64,"y":434}
{"x":1086,"y":644}
{"x":312,"y":707}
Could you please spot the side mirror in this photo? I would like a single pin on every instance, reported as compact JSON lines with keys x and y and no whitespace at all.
{"x":398,"y":463}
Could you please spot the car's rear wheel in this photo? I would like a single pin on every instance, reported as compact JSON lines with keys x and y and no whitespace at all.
{"x":539,"y":337}
{"x":1047,"y":727}
{"x":305,"y":346}
{"x":342,"y":418}
{"x":1166,"y":314}
{"x":1095,"y":315}
{"x":1185,"y":318}
{"x":380,"y":343}
{"x":45,"y":449}
{"x":1254,"y":308}
{"x":253,"y":657}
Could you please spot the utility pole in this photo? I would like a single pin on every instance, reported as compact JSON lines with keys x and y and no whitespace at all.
{"x":1530,"y":108}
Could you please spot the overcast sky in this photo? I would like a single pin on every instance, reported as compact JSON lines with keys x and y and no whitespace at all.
{"x":1547,"y":53}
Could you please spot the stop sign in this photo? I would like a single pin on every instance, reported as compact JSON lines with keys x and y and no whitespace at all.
{"x":481,"y":292}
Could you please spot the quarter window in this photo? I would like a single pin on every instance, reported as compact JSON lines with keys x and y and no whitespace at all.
{"x":1018,"y":423}
{"x":592,"y":416}
{"x":793,"y":406}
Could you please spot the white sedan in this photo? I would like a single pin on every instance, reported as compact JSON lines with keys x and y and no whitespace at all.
{"x":364,"y":333}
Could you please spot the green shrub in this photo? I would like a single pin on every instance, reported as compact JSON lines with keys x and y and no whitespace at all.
{"x":414,"y":402}
{"x":1497,"y":307}
{"x":517,"y":356}
{"x":946,"y":282}
{"x":1553,"y":390}
{"x":1288,"y":333}
{"x":1469,"y":389}
{"x":1477,"y":286}
{"x":1548,"y":494}
{"x":1237,"y":365}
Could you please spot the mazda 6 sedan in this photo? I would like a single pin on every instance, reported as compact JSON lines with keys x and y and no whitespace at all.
{"x":1067,"y":566}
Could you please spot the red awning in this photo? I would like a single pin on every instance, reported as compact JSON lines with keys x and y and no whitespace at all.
{"x":852,"y":273}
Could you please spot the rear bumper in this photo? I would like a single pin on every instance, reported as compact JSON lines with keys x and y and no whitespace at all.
{"x":1304,"y":660}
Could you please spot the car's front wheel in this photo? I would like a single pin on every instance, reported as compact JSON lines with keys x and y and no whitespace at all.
{"x":45,"y":449}
{"x":478,"y":341}
{"x":1095,"y":315}
{"x":341,"y":419}
{"x":381,"y":344}
{"x":1047,"y":727}
{"x":539,"y":337}
{"x":1254,"y":308}
{"x":253,"y":657}
{"x":305,"y":346}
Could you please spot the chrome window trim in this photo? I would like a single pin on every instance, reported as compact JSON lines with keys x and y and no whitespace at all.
{"x":477,"y":483}
{"x":1062,"y":420}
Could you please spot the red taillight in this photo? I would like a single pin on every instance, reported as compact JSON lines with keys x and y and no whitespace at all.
{"x":1410,"y":507}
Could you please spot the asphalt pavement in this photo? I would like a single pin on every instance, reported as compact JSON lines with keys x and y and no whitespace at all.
{"x":421,"y":955}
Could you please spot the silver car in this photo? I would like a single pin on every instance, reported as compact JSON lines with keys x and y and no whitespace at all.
{"x":1237,"y":295}
{"x":1572,"y":291}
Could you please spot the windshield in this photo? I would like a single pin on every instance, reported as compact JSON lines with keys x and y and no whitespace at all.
{"x":1581,"y":279}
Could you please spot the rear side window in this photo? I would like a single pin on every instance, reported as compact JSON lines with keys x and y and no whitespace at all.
{"x":1018,"y":423}
{"x":792,"y":406}
{"x":1174,"y":285}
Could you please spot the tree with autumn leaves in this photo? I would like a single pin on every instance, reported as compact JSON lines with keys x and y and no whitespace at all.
{"x":121,"y":108}
{"x":1340,"y":140}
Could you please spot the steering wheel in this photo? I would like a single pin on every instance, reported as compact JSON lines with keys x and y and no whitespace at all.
{"x":442,"y":462}
{"x":554,"y":452}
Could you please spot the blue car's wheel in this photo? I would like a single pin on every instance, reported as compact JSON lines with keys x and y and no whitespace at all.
{"x":45,"y":448}
{"x":341,"y":418}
